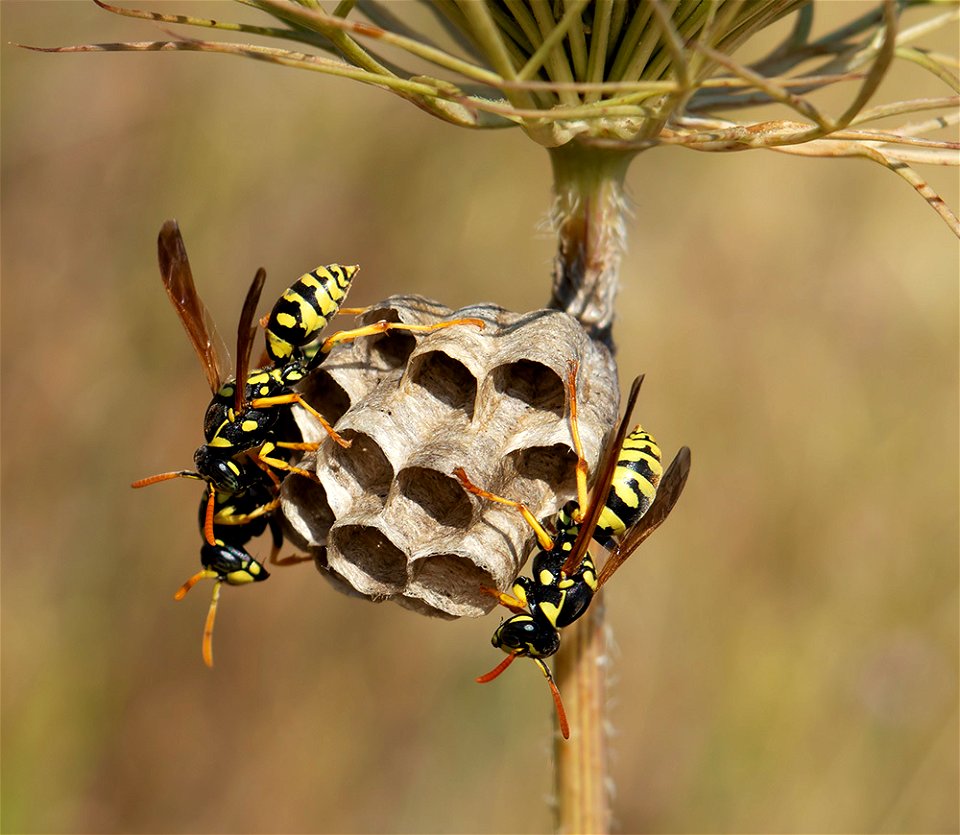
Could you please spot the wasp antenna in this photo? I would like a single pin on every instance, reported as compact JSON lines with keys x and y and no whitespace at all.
{"x":153,"y":479}
{"x":557,"y":701}
{"x":208,"y":519}
{"x":208,"y":626}
{"x":196,"y":578}
{"x":496,"y":670}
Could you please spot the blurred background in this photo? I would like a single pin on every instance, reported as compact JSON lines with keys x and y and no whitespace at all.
{"x":786,"y":646}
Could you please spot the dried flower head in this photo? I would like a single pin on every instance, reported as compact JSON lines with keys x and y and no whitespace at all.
{"x":623,"y":76}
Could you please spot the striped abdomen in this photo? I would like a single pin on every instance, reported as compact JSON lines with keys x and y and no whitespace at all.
{"x":633,"y":487}
{"x":303,"y":311}
{"x":632,"y":491}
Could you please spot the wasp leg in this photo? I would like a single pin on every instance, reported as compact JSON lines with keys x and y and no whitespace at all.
{"x":293,"y":559}
{"x":384,"y":326}
{"x":542,"y":536}
{"x":277,"y":533}
{"x":306,"y":446}
{"x":294,"y":397}
{"x":263,"y":456}
{"x":572,"y":368}
{"x":265,"y":467}
{"x":244,"y":518}
{"x":514,"y":604}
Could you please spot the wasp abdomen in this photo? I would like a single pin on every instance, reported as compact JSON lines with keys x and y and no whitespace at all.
{"x":633,"y":488}
{"x":303,"y":311}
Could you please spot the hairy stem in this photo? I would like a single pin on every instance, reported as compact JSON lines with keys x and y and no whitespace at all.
{"x":588,"y":216}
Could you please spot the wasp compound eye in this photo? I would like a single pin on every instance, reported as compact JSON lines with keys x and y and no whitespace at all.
{"x":224,"y":473}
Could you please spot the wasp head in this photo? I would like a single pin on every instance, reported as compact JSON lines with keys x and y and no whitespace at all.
{"x":526,"y":635}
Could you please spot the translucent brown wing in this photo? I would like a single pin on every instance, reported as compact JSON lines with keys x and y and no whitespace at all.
{"x":601,"y":484}
{"x":669,"y":490}
{"x":178,"y":281}
{"x":246,"y":332}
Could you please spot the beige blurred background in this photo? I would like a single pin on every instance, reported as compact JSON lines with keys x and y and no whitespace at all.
{"x":786,"y":646}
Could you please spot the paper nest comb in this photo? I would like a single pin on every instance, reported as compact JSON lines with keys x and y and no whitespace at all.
{"x":389,"y":520}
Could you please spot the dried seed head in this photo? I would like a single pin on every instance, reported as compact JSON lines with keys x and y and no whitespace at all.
{"x":389,"y":520}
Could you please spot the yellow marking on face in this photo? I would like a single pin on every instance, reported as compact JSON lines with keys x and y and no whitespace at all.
{"x":249,"y":426}
{"x":546,"y":578}
{"x":565,"y":584}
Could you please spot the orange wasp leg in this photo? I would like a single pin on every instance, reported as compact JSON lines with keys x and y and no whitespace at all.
{"x":542,"y":536}
{"x":572,"y":368}
{"x":384,"y":326}
{"x":294,"y":397}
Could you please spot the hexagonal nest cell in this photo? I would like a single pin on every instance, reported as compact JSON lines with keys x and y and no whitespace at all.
{"x":388,"y":519}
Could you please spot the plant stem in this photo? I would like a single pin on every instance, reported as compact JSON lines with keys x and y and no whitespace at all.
{"x":588,"y":217}
{"x":581,"y":785}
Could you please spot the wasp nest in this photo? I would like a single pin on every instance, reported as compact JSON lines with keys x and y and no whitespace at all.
{"x":388,"y":519}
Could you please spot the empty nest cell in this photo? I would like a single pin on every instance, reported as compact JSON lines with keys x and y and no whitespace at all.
{"x":437,"y":496}
{"x":531,"y":384}
{"x":445,"y":379}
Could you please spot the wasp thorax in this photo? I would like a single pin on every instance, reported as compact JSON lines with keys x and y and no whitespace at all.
{"x":387,"y":518}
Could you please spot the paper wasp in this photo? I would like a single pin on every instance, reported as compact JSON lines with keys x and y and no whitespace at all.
{"x":245,"y":454}
{"x":630,"y":500}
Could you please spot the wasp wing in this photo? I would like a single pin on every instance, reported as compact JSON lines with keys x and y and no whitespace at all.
{"x":601,"y":485}
{"x":246,"y":332}
{"x":178,"y":281}
{"x":668,"y":491}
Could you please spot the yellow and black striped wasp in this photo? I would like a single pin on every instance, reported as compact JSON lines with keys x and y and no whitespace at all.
{"x":245,"y":454}
{"x":241,"y":493}
{"x":631,"y":498}
{"x":242,"y":418}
